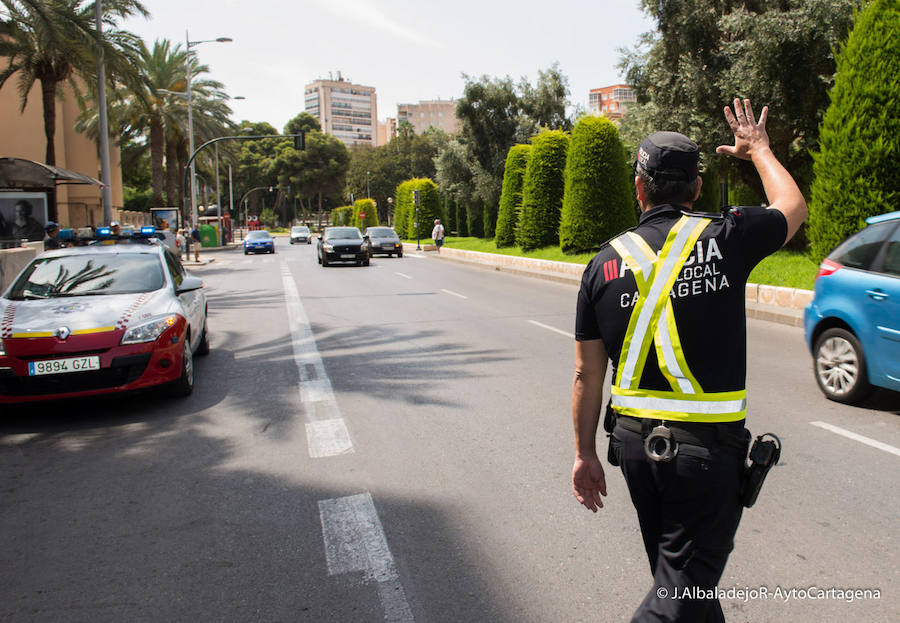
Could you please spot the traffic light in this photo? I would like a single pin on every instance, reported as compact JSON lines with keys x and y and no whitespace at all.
{"x":300,"y":141}
{"x":416,"y":197}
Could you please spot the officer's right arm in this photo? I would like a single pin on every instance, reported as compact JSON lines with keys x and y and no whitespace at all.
{"x":588,"y":479}
{"x":751,"y":142}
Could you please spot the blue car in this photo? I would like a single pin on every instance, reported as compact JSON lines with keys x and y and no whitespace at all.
{"x":259,"y":241}
{"x":853,"y":323}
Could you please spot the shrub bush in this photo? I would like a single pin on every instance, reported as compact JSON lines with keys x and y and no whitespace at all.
{"x":855,"y":169}
{"x":405,"y":211}
{"x":598,"y":201}
{"x":511,"y":195}
{"x":542,"y":191}
{"x":342,"y":215}
{"x":367,"y":207}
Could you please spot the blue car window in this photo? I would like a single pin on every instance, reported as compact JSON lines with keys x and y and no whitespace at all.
{"x":860,"y":250}
{"x":892,"y":254}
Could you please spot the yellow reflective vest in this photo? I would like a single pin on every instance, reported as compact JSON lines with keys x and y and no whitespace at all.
{"x":653,"y":321}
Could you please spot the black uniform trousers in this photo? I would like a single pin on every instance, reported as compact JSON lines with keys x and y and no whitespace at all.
{"x":688,"y":509}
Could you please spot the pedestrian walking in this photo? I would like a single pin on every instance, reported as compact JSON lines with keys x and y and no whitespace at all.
{"x":664,"y":303}
{"x":195,"y":240}
{"x":437,"y":234}
{"x":181,"y":244}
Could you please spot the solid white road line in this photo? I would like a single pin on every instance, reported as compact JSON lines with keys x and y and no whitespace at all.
{"x":402,"y":275}
{"x":855,"y":437}
{"x":355,"y":542}
{"x":554,"y":329}
{"x":326,"y":431}
{"x":451,"y":293}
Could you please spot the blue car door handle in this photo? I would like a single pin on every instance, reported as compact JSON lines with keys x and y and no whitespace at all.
{"x":878,"y":295}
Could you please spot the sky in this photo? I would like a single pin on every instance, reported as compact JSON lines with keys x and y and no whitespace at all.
{"x":408,"y":50}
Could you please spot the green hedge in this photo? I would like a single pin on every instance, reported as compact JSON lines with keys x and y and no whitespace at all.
{"x":859,"y":140}
{"x":542,"y":191}
{"x":511,"y":196}
{"x":342,"y":215}
{"x":598,"y":201}
{"x":405,"y":211}
{"x":367,"y":207}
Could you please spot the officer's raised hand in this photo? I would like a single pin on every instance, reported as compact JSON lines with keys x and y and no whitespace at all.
{"x":749,"y":134}
{"x":751,"y":142}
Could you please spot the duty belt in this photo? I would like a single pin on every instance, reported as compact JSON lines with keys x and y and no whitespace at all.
{"x":704,"y":435}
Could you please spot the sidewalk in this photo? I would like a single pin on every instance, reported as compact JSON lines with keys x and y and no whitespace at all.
{"x":208,"y":254}
{"x":772,"y":303}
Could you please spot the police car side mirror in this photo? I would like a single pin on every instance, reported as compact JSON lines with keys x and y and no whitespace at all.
{"x":189,"y":284}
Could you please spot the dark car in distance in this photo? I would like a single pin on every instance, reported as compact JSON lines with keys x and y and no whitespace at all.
{"x":342,"y":244}
{"x":259,"y":241}
{"x":383,"y":240}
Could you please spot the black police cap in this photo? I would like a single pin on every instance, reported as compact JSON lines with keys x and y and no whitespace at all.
{"x":669,"y":155}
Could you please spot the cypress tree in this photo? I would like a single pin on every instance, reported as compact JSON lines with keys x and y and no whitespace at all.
{"x":542,"y":191}
{"x":598,"y":201}
{"x":367,"y":207}
{"x":859,"y":141}
{"x":511,"y":196}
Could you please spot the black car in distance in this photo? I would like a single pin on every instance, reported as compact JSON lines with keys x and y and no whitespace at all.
{"x":342,"y":244}
{"x":383,"y":240}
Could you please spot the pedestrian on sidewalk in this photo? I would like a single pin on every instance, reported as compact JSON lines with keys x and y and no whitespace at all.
{"x":678,"y":399}
{"x":195,"y":239}
{"x":437,"y":234}
{"x":180,"y":244}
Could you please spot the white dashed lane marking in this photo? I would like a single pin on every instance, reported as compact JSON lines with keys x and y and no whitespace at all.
{"x":451,"y":293}
{"x":355,"y":542}
{"x":326,"y":431}
{"x":856,"y":437}
{"x":554,"y":329}
{"x":403,"y":275}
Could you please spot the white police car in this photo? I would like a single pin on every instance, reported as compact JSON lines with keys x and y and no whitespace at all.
{"x":117,"y":314}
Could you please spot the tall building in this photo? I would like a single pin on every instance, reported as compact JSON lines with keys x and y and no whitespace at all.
{"x":611,"y":101}
{"x":347,"y":111}
{"x":387,"y":130}
{"x":438,"y":113}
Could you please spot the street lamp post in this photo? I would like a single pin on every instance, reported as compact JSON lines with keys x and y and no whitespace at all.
{"x":367,"y":186}
{"x":187,"y":71}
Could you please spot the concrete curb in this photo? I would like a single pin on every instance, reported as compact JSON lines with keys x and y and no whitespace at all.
{"x":772,"y":303}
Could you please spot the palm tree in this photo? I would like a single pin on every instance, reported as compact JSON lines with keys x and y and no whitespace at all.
{"x":211,"y":119}
{"x":49,"y":41}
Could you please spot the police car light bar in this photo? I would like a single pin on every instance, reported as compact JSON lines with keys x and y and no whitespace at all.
{"x":147,"y":230}
{"x":104,"y":231}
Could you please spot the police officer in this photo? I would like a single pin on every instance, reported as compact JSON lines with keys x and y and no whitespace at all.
{"x":52,"y":239}
{"x":664,"y":303}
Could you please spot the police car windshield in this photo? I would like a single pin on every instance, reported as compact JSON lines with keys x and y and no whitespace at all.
{"x":343,"y":233}
{"x":254,"y":235}
{"x":88,"y":275}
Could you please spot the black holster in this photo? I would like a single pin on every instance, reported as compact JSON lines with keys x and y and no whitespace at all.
{"x":764,"y":454}
{"x":609,"y":424}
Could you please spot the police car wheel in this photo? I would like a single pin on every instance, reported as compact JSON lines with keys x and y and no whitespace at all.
{"x":840,"y":366}
{"x":184,"y":385}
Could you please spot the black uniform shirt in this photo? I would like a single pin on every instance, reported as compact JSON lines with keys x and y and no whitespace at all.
{"x":708,"y":296}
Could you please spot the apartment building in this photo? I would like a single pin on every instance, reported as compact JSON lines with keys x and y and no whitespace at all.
{"x":427,"y":113}
{"x":387,"y":130}
{"x":347,"y":111}
{"x":611,"y":101}
{"x":22,"y":136}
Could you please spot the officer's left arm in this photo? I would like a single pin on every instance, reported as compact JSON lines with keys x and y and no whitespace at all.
{"x":588,"y":479}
